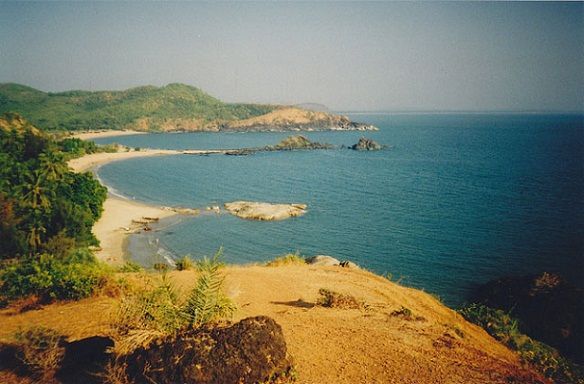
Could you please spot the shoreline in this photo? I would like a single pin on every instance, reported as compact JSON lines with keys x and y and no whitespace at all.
{"x":89,"y":135}
{"x":119,"y":216}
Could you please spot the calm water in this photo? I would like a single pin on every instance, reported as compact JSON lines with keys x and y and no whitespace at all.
{"x":457,"y":200}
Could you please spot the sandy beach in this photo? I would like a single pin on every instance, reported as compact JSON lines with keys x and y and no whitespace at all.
{"x":119,"y":215}
{"x":109,"y":133}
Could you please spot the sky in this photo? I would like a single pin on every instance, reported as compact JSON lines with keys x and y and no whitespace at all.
{"x":386,"y":56}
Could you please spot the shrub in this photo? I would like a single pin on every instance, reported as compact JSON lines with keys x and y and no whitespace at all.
{"x":505,"y":328}
{"x":159,"y":310}
{"x":160,"y":267}
{"x":40,"y":349}
{"x":51,"y":278}
{"x":333,"y":299}
{"x":184,"y":264}
{"x":207,"y":302}
{"x":406,"y":314}
{"x":130,"y":266}
{"x":288,"y":259}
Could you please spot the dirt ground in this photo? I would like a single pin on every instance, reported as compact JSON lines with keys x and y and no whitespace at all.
{"x":427,"y":343}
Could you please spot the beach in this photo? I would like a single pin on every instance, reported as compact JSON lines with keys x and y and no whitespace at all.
{"x":119,"y":215}
{"x":109,"y":133}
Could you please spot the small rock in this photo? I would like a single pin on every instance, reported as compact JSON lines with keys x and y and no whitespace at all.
{"x":348,"y":264}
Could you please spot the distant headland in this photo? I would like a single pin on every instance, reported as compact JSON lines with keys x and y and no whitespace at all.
{"x":172,"y":108}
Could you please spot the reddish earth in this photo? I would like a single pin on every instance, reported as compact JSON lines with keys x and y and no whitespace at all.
{"x":331,"y":345}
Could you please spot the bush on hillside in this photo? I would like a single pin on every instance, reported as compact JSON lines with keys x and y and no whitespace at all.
{"x":52,"y":278}
{"x":160,"y":309}
{"x":505,"y":328}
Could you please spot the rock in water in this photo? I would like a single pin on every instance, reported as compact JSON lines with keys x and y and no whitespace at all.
{"x":264,"y":211}
{"x":251,"y":351}
{"x":365,"y":144}
{"x":297,"y":142}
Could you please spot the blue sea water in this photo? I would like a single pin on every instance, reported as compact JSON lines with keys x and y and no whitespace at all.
{"x":457,"y":200}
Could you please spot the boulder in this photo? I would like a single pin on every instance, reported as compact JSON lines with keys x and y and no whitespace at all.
{"x":264,"y":211}
{"x":251,"y":351}
{"x":323,"y":260}
{"x":365,"y":144}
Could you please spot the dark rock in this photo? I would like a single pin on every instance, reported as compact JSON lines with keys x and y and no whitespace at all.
{"x":253,"y":350}
{"x":365,"y":144}
{"x":84,"y":359}
{"x":9,"y":357}
{"x":549,"y":309}
{"x":241,"y":152}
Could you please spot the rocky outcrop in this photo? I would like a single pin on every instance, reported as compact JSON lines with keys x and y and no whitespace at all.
{"x":297,"y":142}
{"x":365,"y":144}
{"x":264,"y":211}
{"x":251,"y":351}
{"x":294,"y":119}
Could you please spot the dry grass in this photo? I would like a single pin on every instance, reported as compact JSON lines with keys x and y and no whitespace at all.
{"x":40,"y":350}
{"x":288,"y":259}
{"x":333,"y":299}
{"x":115,"y":373}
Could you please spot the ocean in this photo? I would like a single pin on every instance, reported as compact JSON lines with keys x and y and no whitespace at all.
{"x":456,"y":199}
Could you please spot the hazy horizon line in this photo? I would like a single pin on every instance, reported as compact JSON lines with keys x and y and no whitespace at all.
{"x":403,"y":111}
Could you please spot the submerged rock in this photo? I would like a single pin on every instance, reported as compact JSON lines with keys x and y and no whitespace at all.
{"x":365,"y":144}
{"x":251,"y":351}
{"x":264,"y":211}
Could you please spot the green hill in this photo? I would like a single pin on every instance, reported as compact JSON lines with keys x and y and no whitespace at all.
{"x":145,"y":108}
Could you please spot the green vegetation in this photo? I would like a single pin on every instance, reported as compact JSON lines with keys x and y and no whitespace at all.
{"x":74,"y":147}
{"x":287,"y":259}
{"x":130,"y":266}
{"x":46,"y":216}
{"x":39,"y":197}
{"x":160,"y":309}
{"x":207,"y":302}
{"x":145,"y":108}
{"x":505,"y":328}
{"x":50,"y":278}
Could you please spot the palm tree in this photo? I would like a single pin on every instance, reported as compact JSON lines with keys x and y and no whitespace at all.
{"x":34,"y":235}
{"x":52,"y":165}
{"x":34,"y":191}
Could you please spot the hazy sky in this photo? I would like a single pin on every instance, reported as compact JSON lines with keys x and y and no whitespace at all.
{"x":349,"y":56}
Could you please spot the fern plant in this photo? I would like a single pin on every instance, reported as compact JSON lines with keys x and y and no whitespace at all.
{"x":156,"y":312}
{"x":207,"y":302}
